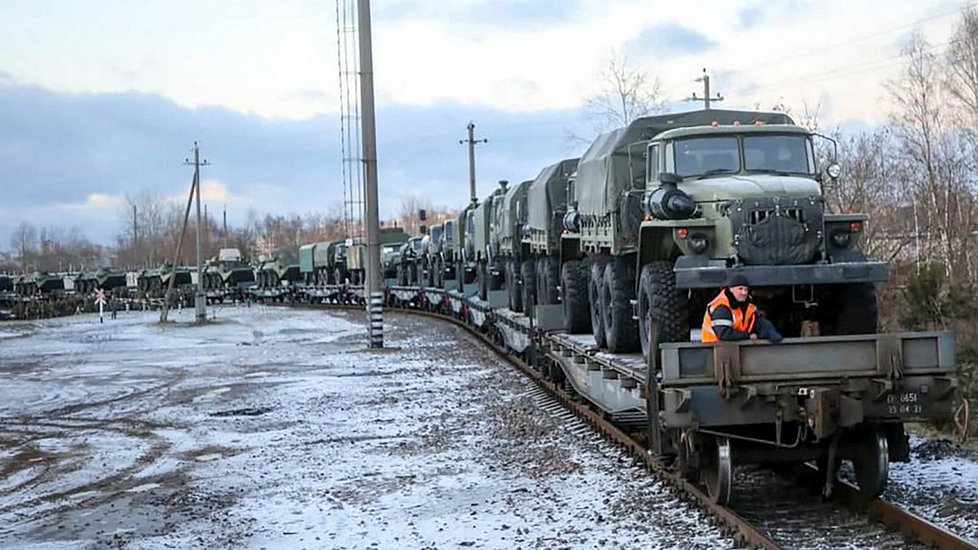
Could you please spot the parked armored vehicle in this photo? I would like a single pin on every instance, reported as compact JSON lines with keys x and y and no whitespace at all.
{"x":105,"y":278}
{"x":39,"y":283}
{"x":546,"y":206}
{"x":508,"y":225}
{"x":281,"y":267}
{"x":228,"y":271}
{"x":6,"y":283}
{"x":154,"y":282}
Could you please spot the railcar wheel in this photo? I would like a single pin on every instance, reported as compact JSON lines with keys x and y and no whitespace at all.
{"x":716,"y":468}
{"x":872,"y":463}
{"x":574,"y":294}
{"x":596,"y":289}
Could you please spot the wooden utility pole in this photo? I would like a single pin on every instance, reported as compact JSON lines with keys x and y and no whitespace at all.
{"x":706,"y":99}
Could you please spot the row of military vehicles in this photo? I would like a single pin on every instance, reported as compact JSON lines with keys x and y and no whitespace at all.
{"x":226,"y":276}
{"x":626,"y":246}
{"x":631,"y":241}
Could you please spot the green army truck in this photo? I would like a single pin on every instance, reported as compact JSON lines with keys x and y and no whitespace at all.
{"x":508,"y":226}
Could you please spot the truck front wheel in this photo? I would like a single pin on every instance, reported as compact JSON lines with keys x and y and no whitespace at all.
{"x":662,"y":306}
{"x":621,"y":332}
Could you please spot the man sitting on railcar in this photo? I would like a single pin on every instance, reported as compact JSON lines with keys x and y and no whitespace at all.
{"x":731,"y":316}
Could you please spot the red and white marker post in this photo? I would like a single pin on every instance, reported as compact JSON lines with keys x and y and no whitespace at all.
{"x":100,"y":300}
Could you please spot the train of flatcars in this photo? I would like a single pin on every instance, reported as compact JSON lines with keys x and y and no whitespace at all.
{"x":620,"y":251}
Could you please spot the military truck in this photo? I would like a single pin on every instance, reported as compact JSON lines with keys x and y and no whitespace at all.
{"x":725,"y":193}
{"x":318,"y":262}
{"x":282,"y":266}
{"x":466,"y":264}
{"x":546,"y":206}
{"x":747,"y":200}
{"x":430,"y":260}
{"x":390,"y":240}
{"x":448,"y":252}
{"x":509,"y":221}
{"x":407,"y":264}
{"x":484,"y":245}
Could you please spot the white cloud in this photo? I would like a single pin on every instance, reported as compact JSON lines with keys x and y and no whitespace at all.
{"x":279,"y":59}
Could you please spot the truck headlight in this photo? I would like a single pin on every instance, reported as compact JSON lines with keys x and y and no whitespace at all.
{"x":698,"y":243}
{"x":841,"y":239}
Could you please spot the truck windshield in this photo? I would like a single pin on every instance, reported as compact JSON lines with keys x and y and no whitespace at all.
{"x":778,"y":154}
{"x":707,"y":156}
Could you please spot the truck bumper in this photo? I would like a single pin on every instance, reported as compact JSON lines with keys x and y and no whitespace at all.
{"x":716,"y":276}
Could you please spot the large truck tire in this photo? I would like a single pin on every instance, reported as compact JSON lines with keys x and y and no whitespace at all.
{"x":483,"y":281}
{"x":574,"y":288}
{"x":595,"y":289}
{"x":513,"y":295}
{"x":662,"y":305}
{"x":529,"y":287}
{"x":548,"y":278}
{"x":621,"y":329}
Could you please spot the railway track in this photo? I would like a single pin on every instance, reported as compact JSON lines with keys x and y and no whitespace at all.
{"x":799,"y":521}
{"x":772,"y":513}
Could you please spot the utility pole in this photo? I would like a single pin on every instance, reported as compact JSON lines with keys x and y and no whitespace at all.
{"x":374,"y":291}
{"x":706,"y":99}
{"x":224,"y":234}
{"x":200,"y":300}
{"x":135,"y":238}
{"x":472,"y":142}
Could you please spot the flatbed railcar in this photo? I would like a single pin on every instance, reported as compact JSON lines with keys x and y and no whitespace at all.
{"x":707,"y":407}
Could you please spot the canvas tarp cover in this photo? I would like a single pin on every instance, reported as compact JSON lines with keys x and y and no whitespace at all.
{"x":603,"y":172}
{"x":548,"y":193}
{"x":507,"y":214}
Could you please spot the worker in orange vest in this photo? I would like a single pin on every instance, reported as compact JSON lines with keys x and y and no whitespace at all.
{"x":731,"y":316}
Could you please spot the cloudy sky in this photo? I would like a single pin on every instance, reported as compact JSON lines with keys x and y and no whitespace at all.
{"x":100,"y":99}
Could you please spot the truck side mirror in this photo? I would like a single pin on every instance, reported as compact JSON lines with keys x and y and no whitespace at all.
{"x":423,"y":228}
{"x":422,"y":214}
{"x":670,"y":178}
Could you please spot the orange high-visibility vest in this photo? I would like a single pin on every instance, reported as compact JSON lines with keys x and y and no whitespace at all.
{"x":743,"y":321}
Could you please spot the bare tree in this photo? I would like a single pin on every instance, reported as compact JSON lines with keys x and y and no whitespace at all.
{"x":24,"y":242}
{"x":962,"y":67}
{"x":628,"y":92}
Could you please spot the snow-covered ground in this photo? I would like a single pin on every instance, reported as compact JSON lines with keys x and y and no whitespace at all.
{"x":277,"y":428}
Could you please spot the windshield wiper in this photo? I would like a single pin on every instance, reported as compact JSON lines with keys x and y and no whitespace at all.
{"x":769,"y":171}
{"x":715,"y":171}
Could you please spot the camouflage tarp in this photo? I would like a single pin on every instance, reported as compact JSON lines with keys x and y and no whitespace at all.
{"x":548,"y":193}
{"x":507,"y":216}
{"x":604,"y":171}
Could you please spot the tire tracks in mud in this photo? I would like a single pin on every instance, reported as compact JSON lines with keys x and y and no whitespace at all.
{"x":41,"y":470}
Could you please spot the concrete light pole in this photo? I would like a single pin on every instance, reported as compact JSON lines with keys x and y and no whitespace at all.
{"x":374,"y":291}
{"x":472,"y":142}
